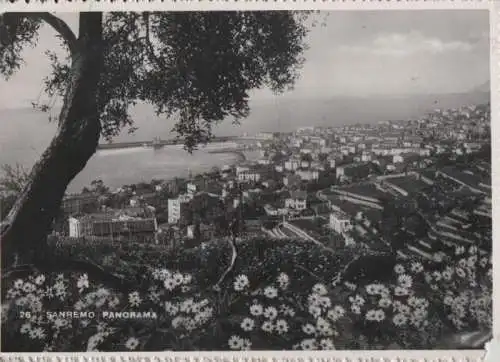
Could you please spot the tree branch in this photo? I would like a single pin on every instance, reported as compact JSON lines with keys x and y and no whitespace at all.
{"x":234,"y":255}
{"x":60,"y":26}
{"x":150,"y":48}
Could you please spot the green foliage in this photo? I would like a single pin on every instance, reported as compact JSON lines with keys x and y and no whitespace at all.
{"x":196,"y":67}
{"x":16,"y":32}
{"x":13,"y":178}
{"x":281,"y":295}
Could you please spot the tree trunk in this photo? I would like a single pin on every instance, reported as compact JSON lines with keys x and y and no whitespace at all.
{"x":25,"y":230}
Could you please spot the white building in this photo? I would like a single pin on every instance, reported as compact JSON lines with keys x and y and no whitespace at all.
{"x":265,"y":136}
{"x":308,"y":175}
{"x":175,"y":207}
{"x":249,"y":176}
{"x":340,"y":222}
{"x":297,"y":201}
{"x":191,"y":188}
{"x":397,"y":159}
{"x":75,"y":228}
{"x":240,"y":169}
{"x":292,"y":165}
{"x":366,"y":157}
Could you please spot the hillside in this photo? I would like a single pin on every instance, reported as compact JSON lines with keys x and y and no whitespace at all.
{"x":276,"y":294}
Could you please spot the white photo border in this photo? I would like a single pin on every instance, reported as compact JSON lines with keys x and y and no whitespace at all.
{"x":321,"y":5}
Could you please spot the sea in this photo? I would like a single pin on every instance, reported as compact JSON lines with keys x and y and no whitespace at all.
{"x":19,"y":144}
{"x":25,"y":133}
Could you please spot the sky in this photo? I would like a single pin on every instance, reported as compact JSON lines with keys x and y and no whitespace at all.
{"x":351,"y":53}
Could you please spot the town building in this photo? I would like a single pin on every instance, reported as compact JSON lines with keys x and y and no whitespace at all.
{"x":177,"y":207}
{"x":340,"y":222}
{"x":83,"y":203}
{"x":297,"y":200}
{"x":108,"y":225}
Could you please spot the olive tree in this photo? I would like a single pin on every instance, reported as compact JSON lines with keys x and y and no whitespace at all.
{"x":195,"y":67}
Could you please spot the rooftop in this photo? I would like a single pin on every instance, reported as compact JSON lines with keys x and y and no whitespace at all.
{"x":314,"y":227}
{"x":468,"y":178}
{"x":365,"y":189}
{"x":407,"y":183}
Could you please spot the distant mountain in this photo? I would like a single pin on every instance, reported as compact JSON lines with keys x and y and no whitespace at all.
{"x":19,"y":127}
{"x":287,"y":115}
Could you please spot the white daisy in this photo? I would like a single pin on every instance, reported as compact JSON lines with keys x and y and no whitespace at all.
{"x":356,"y":309}
{"x":399,"y":269}
{"x":246,"y":345}
{"x":319,"y":289}
{"x":235,"y":342}
{"x":483,"y":261}
{"x":177,"y":322}
{"x":134,"y":299}
{"x":29,"y":287}
{"x":399,"y":320}
{"x":267,"y":326}
{"x":187,"y":279}
{"x":169,"y":284}
{"x":437,"y":275}
{"x":313,"y":299}
{"x":460,"y":272}
{"x":83,"y":282}
{"x":281,"y":326}
{"x":241,"y":282}
{"x":178,"y":278}
{"x":379,"y":315}
{"x":359,"y":300}
{"x":315,"y":311}
{"x":270,"y":312}
{"x":372,"y":289}
{"x":18,"y":284}
{"x":308,"y":329}
{"x":327,"y":344}
{"x":186,"y":306}
{"x":40,"y":279}
{"x":370,"y":315}
{"x":283,"y":280}
{"x":323,"y":327}
{"x":350,"y":286}
{"x":247,"y":324}
{"x":308,"y":344}
{"x":417,"y":267}
{"x":400,"y":291}
{"x":256,"y":310}
{"x":114,"y":302}
{"x":447,"y":274}
{"x":405,"y":281}
{"x":25,"y":328}
{"x":420,"y":314}
{"x":336,"y":313}
{"x":404,"y":309}
{"x":325,"y":302}
{"x":384,"y":303}
{"x":37,"y":333}
{"x":270,"y":292}
{"x":132,"y":343}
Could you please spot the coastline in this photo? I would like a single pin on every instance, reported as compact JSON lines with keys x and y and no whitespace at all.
{"x":150,"y":165}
